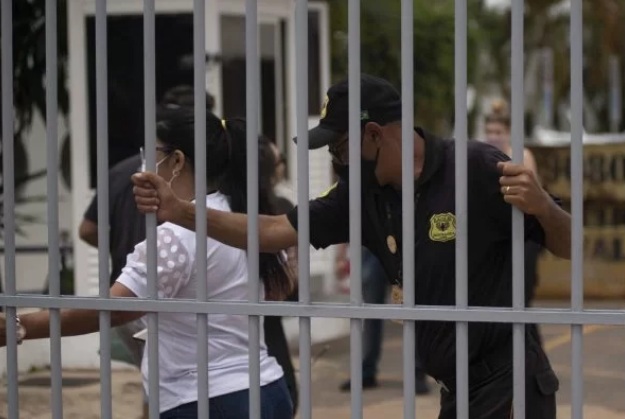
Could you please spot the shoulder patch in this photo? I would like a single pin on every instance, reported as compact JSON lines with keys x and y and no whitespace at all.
{"x":324,"y":107}
{"x":327,"y":191}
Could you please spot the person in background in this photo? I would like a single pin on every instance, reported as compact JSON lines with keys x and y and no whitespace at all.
{"x":275,"y":338}
{"x":497,"y":125}
{"x":184,"y":95}
{"x":127,"y":225}
{"x":375,"y":287}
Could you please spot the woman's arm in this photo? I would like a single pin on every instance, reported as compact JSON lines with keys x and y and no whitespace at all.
{"x":73,"y":321}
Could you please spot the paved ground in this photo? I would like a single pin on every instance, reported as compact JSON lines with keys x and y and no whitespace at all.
{"x":604,"y":358}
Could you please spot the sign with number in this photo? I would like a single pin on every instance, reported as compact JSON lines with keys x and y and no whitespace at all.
{"x":604,"y":219}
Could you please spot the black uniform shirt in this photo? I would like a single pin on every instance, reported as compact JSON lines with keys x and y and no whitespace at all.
{"x":489,"y":243}
{"x":127,"y":224}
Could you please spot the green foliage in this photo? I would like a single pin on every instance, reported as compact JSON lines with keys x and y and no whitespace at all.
{"x":29,"y":90}
{"x":29,"y":61}
{"x":433,"y":51}
{"x":546,"y":24}
{"x":603,"y":36}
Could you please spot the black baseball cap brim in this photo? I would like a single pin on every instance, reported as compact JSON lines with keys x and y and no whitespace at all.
{"x":321,"y":136}
{"x":380,"y":102}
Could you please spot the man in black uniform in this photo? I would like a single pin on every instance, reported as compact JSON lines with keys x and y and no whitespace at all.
{"x":494,"y":184}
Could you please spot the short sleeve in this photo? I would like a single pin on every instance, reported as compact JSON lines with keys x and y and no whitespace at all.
{"x":174,"y":265}
{"x":119,"y":179}
{"x":499,"y":210}
{"x":329,"y":217}
{"x":91,"y":213}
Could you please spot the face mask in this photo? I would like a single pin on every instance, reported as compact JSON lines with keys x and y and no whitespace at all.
{"x":341,"y":170}
{"x":158,"y":163}
{"x":367,"y":171}
{"x":175,"y":173}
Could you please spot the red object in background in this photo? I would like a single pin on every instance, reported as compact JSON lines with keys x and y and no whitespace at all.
{"x":343,"y":269}
{"x":342,"y":276}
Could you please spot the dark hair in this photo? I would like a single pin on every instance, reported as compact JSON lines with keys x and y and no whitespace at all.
{"x":175,"y":128}
{"x":226,"y":165}
{"x":274,"y":271}
{"x":498,"y":113}
{"x":267,"y":163}
{"x":183,"y":95}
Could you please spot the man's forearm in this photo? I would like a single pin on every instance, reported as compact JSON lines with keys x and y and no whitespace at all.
{"x":231,"y":228}
{"x":226,"y":227}
{"x":557,"y":226}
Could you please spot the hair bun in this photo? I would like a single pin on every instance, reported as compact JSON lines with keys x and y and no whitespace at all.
{"x":499,"y":107}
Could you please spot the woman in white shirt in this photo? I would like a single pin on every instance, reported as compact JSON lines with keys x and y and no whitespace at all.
{"x":227,"y":279}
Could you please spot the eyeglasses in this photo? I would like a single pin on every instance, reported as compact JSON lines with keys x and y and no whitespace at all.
{"x":165,"y":150}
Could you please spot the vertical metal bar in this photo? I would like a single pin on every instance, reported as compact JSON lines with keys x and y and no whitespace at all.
{"x":547,"y":61}
{"x":52,"y":146}
{"x":149,"y":68}
{"x":303,"y":228}
{"x":355,"y":238}
{"x":252,"y":71}
{"x":8,"y":180}
{"x":518,"y":235}
{"x":199,"y":80}
{"x":408,"y":203}
{"x":462,"y":219}
{"x":577,"y":205}
{"x":103,"y":204}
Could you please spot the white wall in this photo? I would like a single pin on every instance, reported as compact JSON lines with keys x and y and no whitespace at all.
{"x":32,"y":269}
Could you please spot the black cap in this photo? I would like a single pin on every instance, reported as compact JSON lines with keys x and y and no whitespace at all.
{"x":379,"y":101}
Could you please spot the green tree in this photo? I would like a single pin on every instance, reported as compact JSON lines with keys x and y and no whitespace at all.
{"x":29,"y":62}
{"x":29,"y":92}
{"x":433,"y":51}
{"x":29,"y":76}
{"x":547,"y":26}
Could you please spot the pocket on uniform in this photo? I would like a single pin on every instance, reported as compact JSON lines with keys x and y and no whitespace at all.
{"x":547,"y":382}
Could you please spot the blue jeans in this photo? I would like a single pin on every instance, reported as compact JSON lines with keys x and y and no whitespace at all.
{"x":275,"y":403}
{"x":374,"y":290}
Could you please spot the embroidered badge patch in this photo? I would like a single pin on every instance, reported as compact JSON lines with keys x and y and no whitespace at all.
{"x":443,"y":227}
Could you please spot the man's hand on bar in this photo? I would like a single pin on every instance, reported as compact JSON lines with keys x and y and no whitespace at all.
{"x":154,"y":195}
{"x":520,"y":187}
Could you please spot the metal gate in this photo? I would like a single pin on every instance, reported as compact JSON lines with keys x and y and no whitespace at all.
{"x":576,"y":317}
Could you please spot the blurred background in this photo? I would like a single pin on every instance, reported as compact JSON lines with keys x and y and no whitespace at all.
{"x":546,"y":115}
